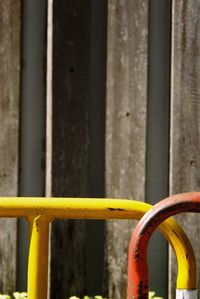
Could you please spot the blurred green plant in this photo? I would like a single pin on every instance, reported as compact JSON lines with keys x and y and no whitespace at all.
{"x":23,"y":295}
{"x":87,"y":297}
{"x":151,"y":296}
{"x":16,"y":295}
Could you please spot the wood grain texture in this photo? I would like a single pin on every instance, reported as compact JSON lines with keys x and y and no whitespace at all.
{"x":185,"y":114}
{"x":9,"y":124}
{"x":71,"y":63}
{"x":125,"y":126}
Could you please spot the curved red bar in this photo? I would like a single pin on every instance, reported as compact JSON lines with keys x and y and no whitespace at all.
{"x":137,"y":259}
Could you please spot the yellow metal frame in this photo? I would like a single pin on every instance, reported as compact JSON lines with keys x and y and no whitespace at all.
{"x":40,"y":212}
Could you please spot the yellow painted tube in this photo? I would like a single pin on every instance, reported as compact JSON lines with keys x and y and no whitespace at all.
{"x":88,"y":208}
{"x":38,"y":258}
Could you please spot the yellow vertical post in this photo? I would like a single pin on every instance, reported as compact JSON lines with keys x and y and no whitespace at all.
{"x":38,"y":258}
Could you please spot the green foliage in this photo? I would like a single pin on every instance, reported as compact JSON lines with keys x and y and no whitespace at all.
{"x":16,"y":295}
{"x":151,"y":296}
{"x":87,"y":297}
{"x":23,"y":295}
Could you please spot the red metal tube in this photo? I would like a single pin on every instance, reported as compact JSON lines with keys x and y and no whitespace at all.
{"x":137,"y":259}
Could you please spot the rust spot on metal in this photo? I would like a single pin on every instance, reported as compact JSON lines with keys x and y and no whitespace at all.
{"x":37,"y":226}
{"x":137,"y":255}
{"x":116,"y":209}
{"x":142,"y":290}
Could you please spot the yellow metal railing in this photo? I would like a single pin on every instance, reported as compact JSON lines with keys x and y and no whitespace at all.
{"x":40,"y":212}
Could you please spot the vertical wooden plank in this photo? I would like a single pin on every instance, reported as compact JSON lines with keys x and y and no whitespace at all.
{"x":157,"y":162}
{"x":96,"y":229}
{"x":49,"y":73}
{"x":71,"y":65}
{"x":9,"y":123}
{"x":48,"y":157}
{"x":125,"y":125}
{"x":185,"y":113}
{"x":32,"y":118}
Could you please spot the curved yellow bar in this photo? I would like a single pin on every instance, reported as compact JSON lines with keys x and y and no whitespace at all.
{"x":41,"y":211}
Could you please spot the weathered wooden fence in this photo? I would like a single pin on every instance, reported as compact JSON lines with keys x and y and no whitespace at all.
{"x":122,"y":115}
{"x":9,"y":132}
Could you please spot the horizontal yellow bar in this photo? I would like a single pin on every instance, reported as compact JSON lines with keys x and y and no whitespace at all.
{"x":77,"y":208}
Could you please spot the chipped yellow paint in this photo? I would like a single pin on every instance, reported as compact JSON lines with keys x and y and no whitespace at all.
{"x":41,"y":211}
